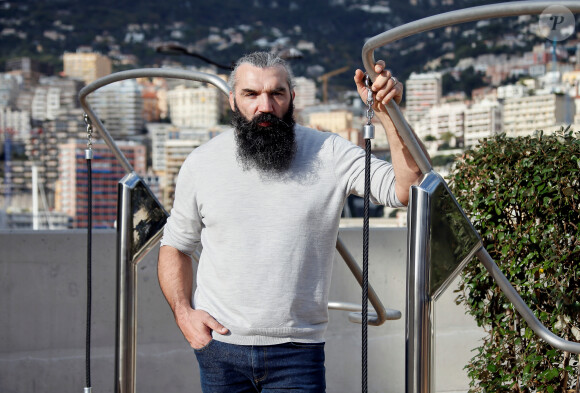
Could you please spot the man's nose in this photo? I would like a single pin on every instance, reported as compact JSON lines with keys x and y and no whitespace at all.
{"x":265,"y":105}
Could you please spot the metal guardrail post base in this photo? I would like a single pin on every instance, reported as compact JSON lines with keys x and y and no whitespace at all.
{"x":140,"y":220}
{"x":419,"y":315}
{"x":440,"y":241}
{"x":126,"y":335}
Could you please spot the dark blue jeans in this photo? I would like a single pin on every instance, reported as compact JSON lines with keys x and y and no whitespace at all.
{"x":229,"y":368}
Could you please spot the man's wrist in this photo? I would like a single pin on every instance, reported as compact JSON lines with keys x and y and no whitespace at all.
{"x":181,"y":307}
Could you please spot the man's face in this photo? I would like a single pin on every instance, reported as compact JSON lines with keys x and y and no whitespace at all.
{"x":261,"y":90}
{"x":263,"y":119}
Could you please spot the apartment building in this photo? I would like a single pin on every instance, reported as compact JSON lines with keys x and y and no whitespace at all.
{"x":511,"y":91}
{"x":72,"y":189}
{"x":305,"y":90}
{"x":120,"y":106}
{"x":53,"y":96}
{"x":9,"y":88}
{"x":422,"y":92}
{"x":444,"y":121}
{"x":333,"y":121}
{"x":482,"y":120}
{"x":159,"y":133}
{"x":28,"y":70}
{"x":86,"y":66}
{"x":176,"y":151}
{"x":15,"y":122}
{"x":194,"y":106}
{"x":572,"y":81}
{"x":547,"y":111}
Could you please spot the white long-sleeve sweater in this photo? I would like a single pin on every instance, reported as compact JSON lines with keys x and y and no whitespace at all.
{"x":268,"y":243}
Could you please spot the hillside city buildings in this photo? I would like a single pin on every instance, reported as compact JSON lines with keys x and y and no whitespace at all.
{"x":158,"y":122}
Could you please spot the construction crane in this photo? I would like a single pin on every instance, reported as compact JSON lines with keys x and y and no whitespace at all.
{"x":324,"y":78}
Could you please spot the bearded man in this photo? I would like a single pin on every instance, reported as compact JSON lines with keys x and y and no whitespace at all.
{"x":264,"y":200}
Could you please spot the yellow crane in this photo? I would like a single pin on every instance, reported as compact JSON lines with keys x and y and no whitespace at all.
{"x":324,"y":78}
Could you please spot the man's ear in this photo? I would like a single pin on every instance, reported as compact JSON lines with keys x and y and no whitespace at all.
{"x":293,"y":94}
{"x":232,"y":105}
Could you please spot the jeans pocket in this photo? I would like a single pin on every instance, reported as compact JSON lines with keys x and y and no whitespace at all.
{"x":204,"y":348}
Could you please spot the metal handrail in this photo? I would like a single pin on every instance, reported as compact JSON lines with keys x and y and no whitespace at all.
{"x":133,"y":74}
{"x":527,"y":314}
{"x":419,"y":350}
{"x":499,"y":10}
{"x":380,"y":314}
{"x":447,"y":19}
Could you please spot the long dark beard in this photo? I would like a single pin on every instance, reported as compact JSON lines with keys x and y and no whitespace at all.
{"x":268,"y":149}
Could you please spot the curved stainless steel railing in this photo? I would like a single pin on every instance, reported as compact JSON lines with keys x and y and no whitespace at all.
{"x":127,"y":256}
{"x":133,"y":74}
{"x":448,"y":19}
{"x":420,"y":307}
{"x":499,"y":10}
{"x":509,"y":291}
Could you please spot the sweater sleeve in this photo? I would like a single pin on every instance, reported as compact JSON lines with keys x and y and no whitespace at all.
{"x":349,"y":162}
{"x":183,"y":228}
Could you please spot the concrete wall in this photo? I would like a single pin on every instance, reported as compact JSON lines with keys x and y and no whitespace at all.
{"x":42,"y":320}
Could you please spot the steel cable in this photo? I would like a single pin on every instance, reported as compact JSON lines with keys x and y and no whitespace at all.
{"x":89,"y":272}
{"x":365,"y":283}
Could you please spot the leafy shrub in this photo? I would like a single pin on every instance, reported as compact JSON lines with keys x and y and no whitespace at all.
{"x":523,"y":196}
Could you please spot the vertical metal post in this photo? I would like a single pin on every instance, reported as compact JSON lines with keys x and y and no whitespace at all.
{"x":419,"y":334}
{"x":131,"y":244}
{"x":126,"y":336}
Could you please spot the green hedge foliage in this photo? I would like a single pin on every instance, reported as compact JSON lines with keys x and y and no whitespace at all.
{"x":523,"y":196}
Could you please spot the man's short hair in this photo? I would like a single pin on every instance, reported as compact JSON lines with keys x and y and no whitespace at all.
{"x":261,"y":60}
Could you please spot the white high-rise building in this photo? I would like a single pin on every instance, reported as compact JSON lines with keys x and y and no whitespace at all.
{"x":45,"y":103}
{"x":16,"y":122}
{"x":194,"y":106}
{"x":548,"y":112}
{"x":9,"y":88}
{"x":176,"y":151}
{"x":305,"y":90}
{"x":482,"y":120}
{"x":53,"y":96}
{"x":422,"y":92}
{"x":170,"y":145}
{"x":443,"y":121}
{"x":510,"y":91}
{"x":120,"y":107}
{"x":159,"y":133}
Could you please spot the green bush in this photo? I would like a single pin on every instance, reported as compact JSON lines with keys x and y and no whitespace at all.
{"x":523,"y":196}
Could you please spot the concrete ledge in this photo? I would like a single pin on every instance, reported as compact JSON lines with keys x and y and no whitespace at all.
{"x":42,"y":328}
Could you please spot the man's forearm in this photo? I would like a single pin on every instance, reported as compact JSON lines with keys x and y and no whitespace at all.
{"x":175,"y":272}
{"x":407,"y":172}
